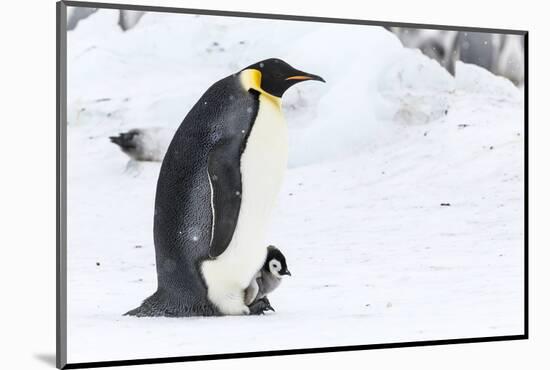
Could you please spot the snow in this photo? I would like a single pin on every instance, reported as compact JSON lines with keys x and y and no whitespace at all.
{"x":375,"y":152}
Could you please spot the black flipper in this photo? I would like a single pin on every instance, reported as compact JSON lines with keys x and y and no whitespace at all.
{"x":225,"y":178}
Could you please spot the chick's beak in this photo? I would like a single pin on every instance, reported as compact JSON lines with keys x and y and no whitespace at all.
{"x":286,"y":273}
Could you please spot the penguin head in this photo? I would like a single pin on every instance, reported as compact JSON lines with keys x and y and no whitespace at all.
{"x":275,"y":76}
{"x":127,"y":141}
{"x":276,"y":262}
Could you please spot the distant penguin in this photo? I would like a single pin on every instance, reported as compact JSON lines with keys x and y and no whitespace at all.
{"x":76,"y":14}
{"x":511,"y":58}
{"x":500,"y":54}
{"x":268,"y":278}
{"x":217,"y":185}
{"x":477,"y":48}
{"x":144,"y":144}
{"x":436,"y":44}
{"x":127,"y":19}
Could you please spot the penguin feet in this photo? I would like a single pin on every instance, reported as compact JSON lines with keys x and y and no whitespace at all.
{"x":267,"y":302}
{"x":260,"y":306}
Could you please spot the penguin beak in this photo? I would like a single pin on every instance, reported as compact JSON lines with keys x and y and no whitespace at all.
{"x":115,"y":140}
{"x":286,"y":273}
{"x":302,"y":76}
{"x":123,"y":142}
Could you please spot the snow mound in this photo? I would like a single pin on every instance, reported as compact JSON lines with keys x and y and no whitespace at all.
{"x":417,"y":88}
{"x":153,"y":74}
{"x":474,"y":79}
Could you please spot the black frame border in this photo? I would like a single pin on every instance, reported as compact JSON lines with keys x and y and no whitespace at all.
{"x":61,"y":186}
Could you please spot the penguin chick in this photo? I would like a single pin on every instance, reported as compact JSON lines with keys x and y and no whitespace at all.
{"x":147,"y":144}
{"x":268,"y":278}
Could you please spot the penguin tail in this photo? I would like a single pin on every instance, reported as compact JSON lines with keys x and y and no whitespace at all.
{"x":135,"y":312}
{"x":152,"y":306}
{"x":162,"y":304}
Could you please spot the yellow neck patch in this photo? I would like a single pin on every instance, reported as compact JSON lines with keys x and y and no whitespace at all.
{"x":252,"y":79}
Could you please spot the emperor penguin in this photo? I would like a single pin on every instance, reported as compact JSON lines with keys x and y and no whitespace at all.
{"x":217,"y":185}
{"x":144,"y":144}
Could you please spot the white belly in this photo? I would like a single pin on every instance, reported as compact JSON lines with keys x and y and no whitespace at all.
{"x":263,"y":165}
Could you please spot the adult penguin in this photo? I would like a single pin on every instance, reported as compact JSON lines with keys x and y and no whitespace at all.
{"x":217,"y":185}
